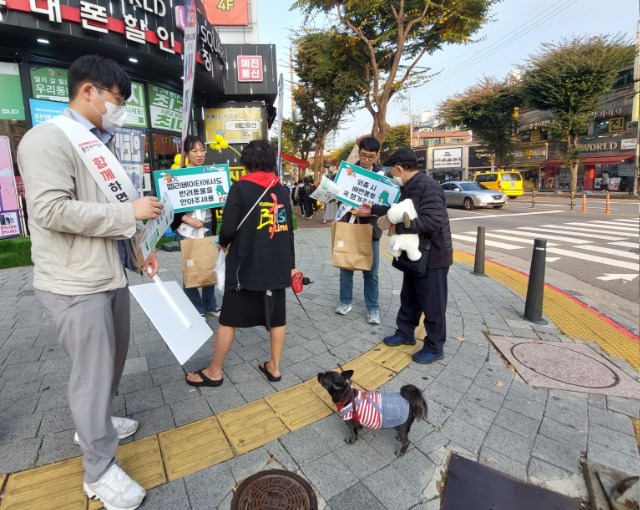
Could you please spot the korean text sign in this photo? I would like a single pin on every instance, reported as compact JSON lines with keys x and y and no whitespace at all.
{"x":359,"y":186}
{"x":9,"y":218}
{"x":200,"y":187}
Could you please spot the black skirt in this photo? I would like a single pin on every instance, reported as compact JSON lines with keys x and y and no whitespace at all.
{"x":249,"y":308}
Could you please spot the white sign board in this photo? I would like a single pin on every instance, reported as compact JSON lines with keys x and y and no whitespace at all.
{"x":326,"y":190}
{"x":200,"y":187}
{"x":627,"y":144}
{"x":174,"y":316}
{"x":447,"y":158}
{"x":154,"y":229}
{"x":358,"y":186}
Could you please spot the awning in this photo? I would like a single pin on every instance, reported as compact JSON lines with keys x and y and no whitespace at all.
{"x":593,"y":160}
{"x":301,"y":163}
{"x":607,"y":160}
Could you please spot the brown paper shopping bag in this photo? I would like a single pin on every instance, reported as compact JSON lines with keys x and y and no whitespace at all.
{"x":198,"y":260}
{"x":352,"y":246}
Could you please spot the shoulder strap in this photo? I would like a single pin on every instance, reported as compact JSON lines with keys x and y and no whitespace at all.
{"x":257,"y":202}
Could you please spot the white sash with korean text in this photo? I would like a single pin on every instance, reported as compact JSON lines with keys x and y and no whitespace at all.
{"x":103,"y":165}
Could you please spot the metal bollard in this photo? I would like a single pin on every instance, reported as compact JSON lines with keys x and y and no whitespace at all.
{"x":535,"y":289}
{"x":533,"y":197}
{"x":478,"y":264}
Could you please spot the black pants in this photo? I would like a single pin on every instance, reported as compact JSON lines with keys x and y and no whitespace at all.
{"x":426,"y":295}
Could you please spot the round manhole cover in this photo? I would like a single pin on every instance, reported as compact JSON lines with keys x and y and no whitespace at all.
{"x":565,"y":365}
{"x":274,"y":489}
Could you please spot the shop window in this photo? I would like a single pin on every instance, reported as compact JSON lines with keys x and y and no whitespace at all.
{"x":601,"y":126}
{"x":625,"y":79}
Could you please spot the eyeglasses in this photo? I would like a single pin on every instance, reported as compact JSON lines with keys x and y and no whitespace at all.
{"x":121,"y":100}
{"x":368,"y":157}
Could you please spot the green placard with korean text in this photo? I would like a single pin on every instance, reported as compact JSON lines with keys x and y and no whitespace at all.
{"x":136,"y":107}
{"x":11,"y":102}
{"x":50,"y":83}
{"x":166,"y":108}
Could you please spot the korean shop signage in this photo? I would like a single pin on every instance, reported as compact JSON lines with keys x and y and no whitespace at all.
{"x":136,"y":106}
{"x":50,"y":83}
{"x":166,"y":108}
{"x":237,"y":125}
{"x":11,"y":103}
{"x":250,"y":68}
{"x":134,"y":24}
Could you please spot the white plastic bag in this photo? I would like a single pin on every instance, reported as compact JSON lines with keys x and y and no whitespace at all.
{"x":219,"y":270}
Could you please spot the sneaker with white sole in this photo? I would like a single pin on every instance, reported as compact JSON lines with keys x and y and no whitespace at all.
{"x":343,"y":308}
{"x":373,"y":316}
{"x":214,"y":313}
{"x":125,"y":427}
{"x":116,"y":490}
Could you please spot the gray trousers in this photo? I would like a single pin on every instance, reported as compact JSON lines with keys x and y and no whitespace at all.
{"x":93,"y":330}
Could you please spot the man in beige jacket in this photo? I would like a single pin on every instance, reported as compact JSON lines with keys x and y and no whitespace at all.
{"x":79,"y":276}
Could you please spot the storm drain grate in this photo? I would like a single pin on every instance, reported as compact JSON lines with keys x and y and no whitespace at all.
{"x":274,"y":489}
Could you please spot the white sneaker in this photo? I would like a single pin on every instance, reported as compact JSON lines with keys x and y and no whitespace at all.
{"x":125,"y":427}
{"x":116,"y":490}
{"x":373,"y":317}
{"x":343,"y":309}
{"x":214,"y":313}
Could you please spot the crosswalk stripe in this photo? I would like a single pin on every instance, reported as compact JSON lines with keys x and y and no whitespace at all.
{"x":546,"y":236}
{"x":495,"y":244}
{"x":633,"y":221}
{"x":621,"y":228}
{"x":610,"y":251}
{"x":592,"y":258}
{"x":579,"y":232}
{"x":510,"y":238}
{"x":626,"y":244}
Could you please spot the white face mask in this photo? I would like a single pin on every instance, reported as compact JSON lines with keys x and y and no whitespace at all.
{"x":115,"y":116}
{"x":398,"y":181}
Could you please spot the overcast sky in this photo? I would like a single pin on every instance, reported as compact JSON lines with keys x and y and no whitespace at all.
{"x":517,"y":30}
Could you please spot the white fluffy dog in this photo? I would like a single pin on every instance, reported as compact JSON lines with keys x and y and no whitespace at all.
{"x":402,"y":212}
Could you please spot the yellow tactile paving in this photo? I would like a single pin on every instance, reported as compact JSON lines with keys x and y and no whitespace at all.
{"x":571,"y":317}
{"x":56,"y":487}
{"x":251,"y":426}
{"x":320,"y":392}
{"x":389,"y":357}
{"x":193,"y":447}
{"x":298,"y":406}
{"x":2,"y":480}
{"x":368,"y":374}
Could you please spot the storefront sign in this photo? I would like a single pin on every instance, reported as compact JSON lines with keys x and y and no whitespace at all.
{"x":358,"y":186}
{"x":11,"y":102}
{"x":224,"y":13}
{"x":447,"y":158}
{"x":129,"y":147}
{"x":188,"y":73}
{"x":616,"y":124}
{"x":628,"y":144}
{"x":50,"y":83}
{"x":9,"y":216}
{"x":42,"y":111}
{"x":250,"y":68}
{"x":201,"y":187}
{"x":136,"y":107}
{"x":166,"y":108}
{"x":237,"y":125}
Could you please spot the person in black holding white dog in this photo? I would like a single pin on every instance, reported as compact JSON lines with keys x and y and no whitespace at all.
{"x":427,"y":293}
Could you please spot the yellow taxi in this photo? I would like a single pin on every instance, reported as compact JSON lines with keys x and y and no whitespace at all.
{"x":508,"y":181}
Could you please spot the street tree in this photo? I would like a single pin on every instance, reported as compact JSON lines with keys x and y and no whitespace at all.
{"x":568,"y":79}
{"x":396,"y":35}
{"x":487,"y":110}
{"x":328,"y":88}
{"x":398,"y":136}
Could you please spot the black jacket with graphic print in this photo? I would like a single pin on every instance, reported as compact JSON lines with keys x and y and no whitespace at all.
{"x":261,"y":252}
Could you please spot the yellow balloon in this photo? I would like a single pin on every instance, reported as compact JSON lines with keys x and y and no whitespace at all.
{"x":224,"y":144}
{"x":186,"y":161}
{"x":218,"y":138}
{"x":177,"y":158}
{"x":215,"y":146}
{"x":175,"y":166}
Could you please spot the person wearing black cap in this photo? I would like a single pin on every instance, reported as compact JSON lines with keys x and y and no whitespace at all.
{"x":426,"y":294}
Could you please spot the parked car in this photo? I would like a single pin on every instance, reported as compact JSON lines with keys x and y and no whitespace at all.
{"x":469,"y":194}
{"x":507,"y":181}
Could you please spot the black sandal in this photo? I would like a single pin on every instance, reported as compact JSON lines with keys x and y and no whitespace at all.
{"x":206,"y":381}
{"x":269,"y":375}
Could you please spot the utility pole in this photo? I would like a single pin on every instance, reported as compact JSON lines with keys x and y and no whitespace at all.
{"x":293,"y":103}
{"x":636,"y":107}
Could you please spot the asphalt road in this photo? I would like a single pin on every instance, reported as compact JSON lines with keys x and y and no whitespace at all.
{"x":601,"y":250}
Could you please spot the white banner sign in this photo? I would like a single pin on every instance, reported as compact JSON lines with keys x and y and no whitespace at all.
{"x":447,"y":158}
{"x":326,"y":190}
{"x":358,"y":186}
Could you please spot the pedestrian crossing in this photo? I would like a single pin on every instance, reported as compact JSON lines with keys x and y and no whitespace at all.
{"x":611,"y":243}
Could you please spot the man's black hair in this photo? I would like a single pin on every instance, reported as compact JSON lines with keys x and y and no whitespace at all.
{"x":369,"y":144}
{"x":408,"y":165}
{"x":102,"y":72}
{"x":191,"y":141}
{"x":259,"y":155}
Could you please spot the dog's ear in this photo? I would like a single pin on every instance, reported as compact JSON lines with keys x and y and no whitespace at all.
{"x":347,"y":374}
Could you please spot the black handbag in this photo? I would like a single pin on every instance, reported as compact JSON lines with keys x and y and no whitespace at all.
{"x":415,"y":268}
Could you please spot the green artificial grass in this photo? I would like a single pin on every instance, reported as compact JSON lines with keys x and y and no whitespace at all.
{"x":15,"y":252}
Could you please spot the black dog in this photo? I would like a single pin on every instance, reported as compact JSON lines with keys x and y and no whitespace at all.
{"x":374,"y":409}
